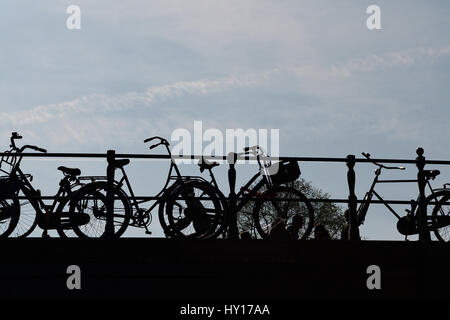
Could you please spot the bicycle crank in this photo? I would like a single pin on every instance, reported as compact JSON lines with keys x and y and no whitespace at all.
{"x":141,"y":219}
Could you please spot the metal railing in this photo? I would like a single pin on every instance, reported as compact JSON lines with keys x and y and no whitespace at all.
{"x":232,"y":159}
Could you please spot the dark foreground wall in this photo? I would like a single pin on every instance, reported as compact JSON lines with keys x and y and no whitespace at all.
{"x":173,"y":270}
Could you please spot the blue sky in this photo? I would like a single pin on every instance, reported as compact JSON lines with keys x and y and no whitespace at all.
{"x":309,"y":68}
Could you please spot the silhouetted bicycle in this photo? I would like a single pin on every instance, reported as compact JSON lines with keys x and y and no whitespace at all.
{"x":437,"y":221}
{"x":31,"y":211}
{"x":9,"y":204}
{"x":91,"y":199}
{"x":274,"y":202}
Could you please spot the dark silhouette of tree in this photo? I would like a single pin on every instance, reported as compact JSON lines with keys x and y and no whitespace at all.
{"x":328,"y":214}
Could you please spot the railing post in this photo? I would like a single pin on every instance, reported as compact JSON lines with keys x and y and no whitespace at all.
{"x":233,"y":232}
{"x":424,"y":234}
{"x":352,"y":200}
{"x":109,"y":227}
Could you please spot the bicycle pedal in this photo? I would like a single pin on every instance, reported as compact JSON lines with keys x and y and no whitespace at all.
{"x":148,"y":232}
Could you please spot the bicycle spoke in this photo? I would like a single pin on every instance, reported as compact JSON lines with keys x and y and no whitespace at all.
{"x":286,"y":202}
{"x":193,"y":211}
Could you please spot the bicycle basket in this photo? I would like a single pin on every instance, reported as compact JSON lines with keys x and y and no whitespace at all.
{"x":8,"y":162}
{"x":284,"y":172}
{"x":9,"y":186}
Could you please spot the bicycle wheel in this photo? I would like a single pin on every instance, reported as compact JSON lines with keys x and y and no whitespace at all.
{"x":88,"y":211}
{"x":282,"y":203}
{"x":441,"y":218}
{"x":194,"y":209}
{"x":64,"y":226}
{"x":27,"y":221}
{"x":9,"y":216}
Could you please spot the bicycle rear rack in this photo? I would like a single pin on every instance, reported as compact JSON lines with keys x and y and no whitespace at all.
{"x":93,"y":178}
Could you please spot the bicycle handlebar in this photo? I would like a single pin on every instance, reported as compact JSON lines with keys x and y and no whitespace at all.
{"x":32,"y":148}
{"x":367,"y":156}
{"x":256,"y":151}
{"x":14,"y":135}
{"x":253,"y":148}
{"x":162,"y":141}
{"x":155,"y":137}
{"x":40,"y":149}
{"x":149,"y":139}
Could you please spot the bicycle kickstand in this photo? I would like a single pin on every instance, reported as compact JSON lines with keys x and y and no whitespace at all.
{"x":45,"y":234}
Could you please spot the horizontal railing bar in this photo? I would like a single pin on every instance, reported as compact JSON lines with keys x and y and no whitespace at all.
{"x":395,"y":181}
{"x":206,"y":198}
{"x":55,"y":155}
{"x":193,"y":157}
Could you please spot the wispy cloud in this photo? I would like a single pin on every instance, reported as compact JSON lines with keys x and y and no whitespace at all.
{"x":310,"y":79}
{"x":101,"y":103}
{"x":391,"y":59}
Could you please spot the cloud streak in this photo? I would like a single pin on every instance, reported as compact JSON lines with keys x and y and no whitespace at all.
{"x":100,"y":113}
{"x":391,"y":59}
{"x":101,"y":103}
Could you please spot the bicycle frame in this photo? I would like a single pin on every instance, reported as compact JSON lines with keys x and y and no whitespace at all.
{"x":43,"y":210}
{"x":245,"y":198}
{"x":363,"y":208}
{"x":134,"y":203}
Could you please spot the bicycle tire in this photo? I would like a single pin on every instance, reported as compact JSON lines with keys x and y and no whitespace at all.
{"x":441,"y":210}
{"x":27,"y":221}
{"x":96,"y":191}
{"x":64,"y":220}
{"x":8,"y":208}
{"x":265,"y":216}
{"x":183,"y":215}
{"x":63,"y":213}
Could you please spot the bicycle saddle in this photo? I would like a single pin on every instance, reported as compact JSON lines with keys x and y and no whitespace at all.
{"x":120,"y":163}
{"x":431,"y":174}
{"x":70,"y":171}
{"x":205,"y":165}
